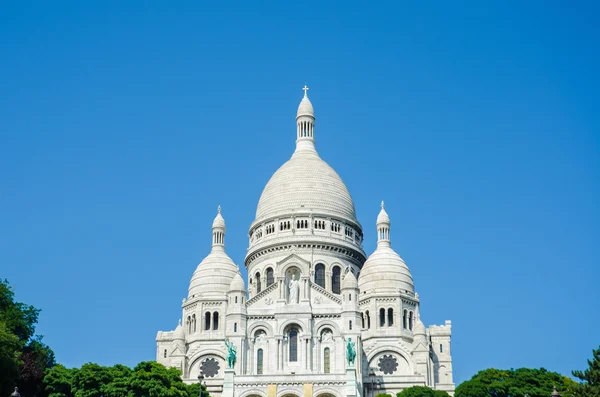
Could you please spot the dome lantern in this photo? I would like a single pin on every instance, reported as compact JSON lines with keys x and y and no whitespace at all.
{"x":218,"y":231}
{"x":305,"y":124}
{"x":383,"y":227}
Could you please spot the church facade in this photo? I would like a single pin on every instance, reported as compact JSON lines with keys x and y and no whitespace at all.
{"x":311,"y":289}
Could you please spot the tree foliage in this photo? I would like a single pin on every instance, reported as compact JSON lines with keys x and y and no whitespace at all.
{"x":590,"y":378}
{"x":147,"y":379}
{"x":23,"y":356}
{"x":513,"y":383}
{"x":422,"y":391}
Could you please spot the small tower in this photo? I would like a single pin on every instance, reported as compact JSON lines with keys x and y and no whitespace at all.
{"x":218,"y":232}
{"x":383,"y":227}
{"x":305,"y":124}
{"x":555,"y":392}
{"x":236,"y":316}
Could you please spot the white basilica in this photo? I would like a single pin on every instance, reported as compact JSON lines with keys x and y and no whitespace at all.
{"x":311,"y":288}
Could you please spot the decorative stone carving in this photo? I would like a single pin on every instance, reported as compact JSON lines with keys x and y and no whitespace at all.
{"x":318,"y":300}
{"x":388,"y":364}
{"x":209,"y":368}
{"x":268,"y":301}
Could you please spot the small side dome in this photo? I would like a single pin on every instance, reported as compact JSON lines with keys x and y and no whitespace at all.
{"x":178,"y":333}
{"x":349,"y":281}
{"x":215,"y":273}
{"x":384,"y":270}
{"x":237,"y":284}
{"x":419,"y":327}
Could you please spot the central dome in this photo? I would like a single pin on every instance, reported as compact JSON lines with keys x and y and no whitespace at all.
{"x":304,"y":183}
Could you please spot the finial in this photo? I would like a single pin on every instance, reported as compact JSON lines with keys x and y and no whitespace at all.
{"x":219,"y":209}
{"x":179,"y":323}
{"x":305,"y":89}
{"x":382,"y":204}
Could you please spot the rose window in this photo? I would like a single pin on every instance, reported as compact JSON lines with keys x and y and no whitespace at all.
{"x":209,"y":368}
{"x":388,"y":364}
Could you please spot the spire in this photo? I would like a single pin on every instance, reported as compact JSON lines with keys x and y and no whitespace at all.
{"x":305,"y":124}
{"x":383,"y":227}
{"x":218,"y":231}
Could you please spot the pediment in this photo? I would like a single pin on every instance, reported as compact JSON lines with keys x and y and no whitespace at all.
{"x":265,"y":299}
{"x":420,"y":347}
{"x":320,"y":296}
{"x":177,"y":352}
{"x":293,"y":258}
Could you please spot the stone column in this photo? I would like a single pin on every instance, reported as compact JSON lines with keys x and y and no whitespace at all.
{"x":318,"y":360}
{"x":307,"y":353}
{"x":250,"y":357}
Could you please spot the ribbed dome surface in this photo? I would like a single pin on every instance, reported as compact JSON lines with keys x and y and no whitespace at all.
{"x":385,"y":271}
{"x":306,"y":182}
{"x":213,"y":275}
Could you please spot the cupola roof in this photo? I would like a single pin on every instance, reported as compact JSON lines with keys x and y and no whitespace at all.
{"x":349,"y":281}
{"x":385,"y":270}
{"x":237,"y":284}
{"x":305,"y":183}
{"x":214,"y":274}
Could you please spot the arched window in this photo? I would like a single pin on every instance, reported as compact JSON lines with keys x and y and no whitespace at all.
{"x":165,"y":354}
{"x":194,"y":322}
{"x":188,"y":322}
{"x":326,"y":361}
{"x":390,"y":317}
{"x":441,"y":348}
{"x":381,"y":317}
{"x":270,"y":279}
{"x":362,"y":317}
{"x":234,"y":327}
{"x":404,"y":319}
{"x":293,"y":341}
{"x":236,"y":299}
{"x":207,"y":321}
{"x":215,"y":321}
{"x":259,"y":362}
{"x":335,"y":280}
{"x":350,"y":325}
{"x":320,"y":275}
{"x":258,"y":282}
{"x":368,"y":319}
{"x":410,"y":321}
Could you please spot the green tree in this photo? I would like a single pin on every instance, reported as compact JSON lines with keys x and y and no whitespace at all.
{"x":422,"y":391}
{"x":193,"y":390}
{"x":512,"y":383}
{"x":58,"y":381}
{"x":151,"y":379}
{"x":9,"y":359}
{"x":23,"y":356}
{"x":590,"y":378}
{"x":383,"y":395}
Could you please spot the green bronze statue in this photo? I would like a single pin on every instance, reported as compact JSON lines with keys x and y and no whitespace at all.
{"x":231,"y":354}
{"x":350,"y":351}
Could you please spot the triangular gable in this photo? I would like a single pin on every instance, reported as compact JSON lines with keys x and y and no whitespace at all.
{"x":176,"y":352}
{"x":319,"y":296}
{"x":293,"y":258}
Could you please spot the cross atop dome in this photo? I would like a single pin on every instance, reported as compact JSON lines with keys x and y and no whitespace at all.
{"x":219,"y":208}
{"x":305,"y":89}
{"x":382,"y":205}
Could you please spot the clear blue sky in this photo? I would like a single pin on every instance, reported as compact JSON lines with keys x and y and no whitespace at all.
{"x":124,"y":124}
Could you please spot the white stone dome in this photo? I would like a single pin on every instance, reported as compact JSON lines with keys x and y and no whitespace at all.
{"x":306,"y":182}
{"x":213,"y":275}
{"x":349,"y":281}
{"x":179,"y":333}
{"x":385,"y":271}
{"x":305,"y":108}
{"x":237,"y":284}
